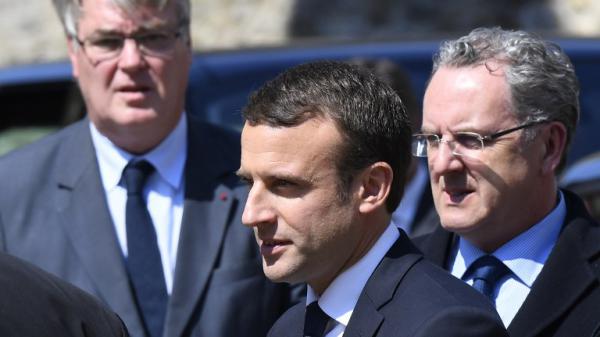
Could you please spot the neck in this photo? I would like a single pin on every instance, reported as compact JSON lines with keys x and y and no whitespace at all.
{"x":501,"y":232}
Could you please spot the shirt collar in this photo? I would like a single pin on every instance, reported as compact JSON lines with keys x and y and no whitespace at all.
{"x":524,"y":255}
{"x":339,"y":299}
{"x":168,"y":158}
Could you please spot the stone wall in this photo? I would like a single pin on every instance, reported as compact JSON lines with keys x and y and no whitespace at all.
{"x":30,"y":30}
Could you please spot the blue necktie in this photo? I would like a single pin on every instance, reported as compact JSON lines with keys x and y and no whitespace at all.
{"x":486,"y":271}
{"x":143,"y":261}
{"x":315,"y":320}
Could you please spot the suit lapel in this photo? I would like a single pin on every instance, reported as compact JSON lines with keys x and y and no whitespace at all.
{"x":437,"y":246}
{"x":88,"y":224}
{"x":365,"y":320}
{"x":207,"y":210}
{"x":379,"y":290}
{"x":565,"y":277}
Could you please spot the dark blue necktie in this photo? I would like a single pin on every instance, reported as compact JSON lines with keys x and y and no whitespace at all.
{"x":143,"y":261}
{"x":486,"y":271}
{"x":315,"y":320}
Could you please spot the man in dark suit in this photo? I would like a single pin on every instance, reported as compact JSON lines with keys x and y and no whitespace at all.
{"x":139,"y":203}
{"x":35,"y":303}
{"x":325,"y":151}
{"x":498,"y":115}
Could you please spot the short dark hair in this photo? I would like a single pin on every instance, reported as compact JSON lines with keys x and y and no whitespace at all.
{"x":367,"y":112}
{"x":398,"y":79}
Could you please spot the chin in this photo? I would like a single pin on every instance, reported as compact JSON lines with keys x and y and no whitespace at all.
{"x":276,"y":275}
{"x":458,"y":223}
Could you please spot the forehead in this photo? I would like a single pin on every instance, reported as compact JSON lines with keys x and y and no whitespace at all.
{"x":106,"y":15}
{"x":306,"y":149}
{"x":468,"y":98}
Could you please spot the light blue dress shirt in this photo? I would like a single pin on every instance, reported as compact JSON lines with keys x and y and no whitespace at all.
{"x":524,"y":255}
{"x":163,"y":192}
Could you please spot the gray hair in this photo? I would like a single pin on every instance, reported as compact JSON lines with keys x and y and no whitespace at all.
{"x":540,"y":76}
{"x":69,"y":11}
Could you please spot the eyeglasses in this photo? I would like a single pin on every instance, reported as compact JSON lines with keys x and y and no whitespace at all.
{"x":464,"y":143}
{"x":152,"y":43}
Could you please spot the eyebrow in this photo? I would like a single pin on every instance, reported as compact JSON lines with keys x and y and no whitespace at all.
{"x":427,"y":131}
{"x":470,"y":129}
{"x":276,"y":175}
{"x":142,"y":29}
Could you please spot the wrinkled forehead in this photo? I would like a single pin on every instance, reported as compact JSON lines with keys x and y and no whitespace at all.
{"x":467,"y":99}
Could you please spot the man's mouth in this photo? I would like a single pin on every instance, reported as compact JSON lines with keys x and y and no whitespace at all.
{"x":457,"y":195}
{"x":134,"y":94}
{"x":133,"y":88}
{"x":273,"y":246}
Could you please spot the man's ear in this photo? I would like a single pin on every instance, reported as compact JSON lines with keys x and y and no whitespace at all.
{"x":72,"y":47}
{"x":376,"y":181}
{"x":555,"y":141}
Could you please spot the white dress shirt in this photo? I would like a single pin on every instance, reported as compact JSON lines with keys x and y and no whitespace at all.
{"x":163,"y":192}
{"x":524,"y":255}
{"x":339,"y":299}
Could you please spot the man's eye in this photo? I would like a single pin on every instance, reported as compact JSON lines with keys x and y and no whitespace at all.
{"x":154,"y":41}
{"x":153,"y":37}
{"x":432,"y":140}
{"x":108,"y":43}
{"x":468,"y":141}
{"x":283,"y":183}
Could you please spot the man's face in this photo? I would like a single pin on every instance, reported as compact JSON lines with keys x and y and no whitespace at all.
{"x":133,"y":94}
{"x":479,"y":197}
{"x":305,"y":232}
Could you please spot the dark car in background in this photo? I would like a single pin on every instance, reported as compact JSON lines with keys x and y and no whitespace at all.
{"x":38,"y":98}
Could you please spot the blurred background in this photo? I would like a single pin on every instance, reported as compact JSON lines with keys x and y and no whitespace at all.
{"x":30,"y":31}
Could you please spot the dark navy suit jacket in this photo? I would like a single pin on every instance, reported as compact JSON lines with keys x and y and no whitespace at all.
{"x":565,"y":298}
{"x":35,"y":303}
{"x":407,"y":296}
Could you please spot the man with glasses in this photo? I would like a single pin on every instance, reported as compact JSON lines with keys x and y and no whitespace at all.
{"x":498,"y":115}
{"x":139,"y":203}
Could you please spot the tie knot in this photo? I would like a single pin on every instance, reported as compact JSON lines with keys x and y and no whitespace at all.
{"x":488,"y":268}
{"x":315,"y":321}
{"x":486,"y":271}
{"x":135,"y":175}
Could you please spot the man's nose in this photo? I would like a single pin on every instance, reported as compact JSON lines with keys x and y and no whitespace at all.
{"x":131,"y":56}
{"x":257,"y":210}
{"x":445,"y":159}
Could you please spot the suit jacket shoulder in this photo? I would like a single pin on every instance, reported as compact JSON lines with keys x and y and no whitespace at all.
{"x":35,"y":303}
{"x":565,"y":298}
